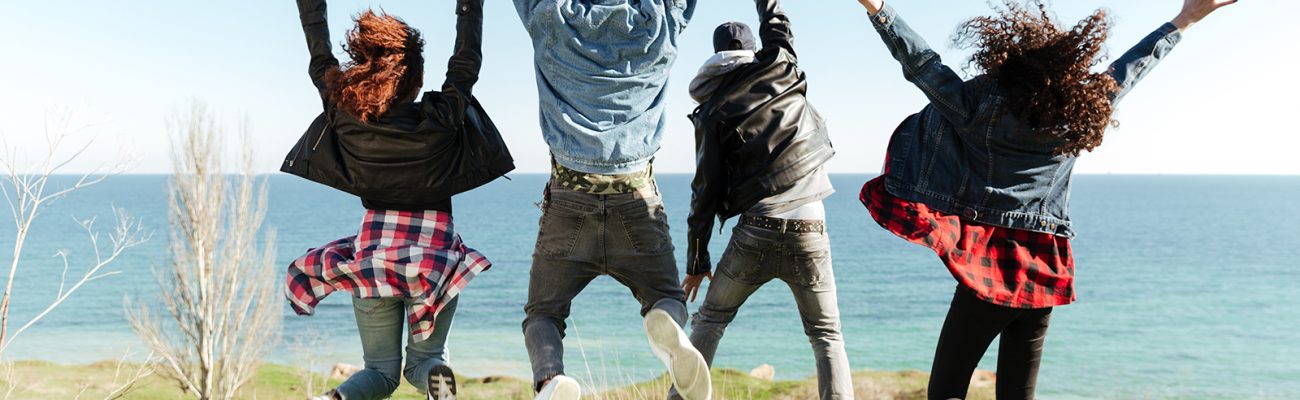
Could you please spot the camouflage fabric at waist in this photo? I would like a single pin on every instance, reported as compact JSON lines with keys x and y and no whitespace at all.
{"x":599,"y":183}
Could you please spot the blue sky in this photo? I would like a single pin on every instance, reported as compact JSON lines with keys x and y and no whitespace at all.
{"x":1219,"y":105}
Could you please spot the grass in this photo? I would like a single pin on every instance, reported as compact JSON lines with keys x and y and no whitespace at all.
{"x":43,"y":380}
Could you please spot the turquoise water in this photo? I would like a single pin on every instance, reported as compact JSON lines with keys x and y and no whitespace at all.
{"x":1188,"y":288}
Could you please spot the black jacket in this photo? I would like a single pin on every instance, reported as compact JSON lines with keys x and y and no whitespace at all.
{"x":754,"y":137}
{"x":415,"y":156}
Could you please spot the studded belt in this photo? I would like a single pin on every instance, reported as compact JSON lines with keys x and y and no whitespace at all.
{"x":784,"y":225}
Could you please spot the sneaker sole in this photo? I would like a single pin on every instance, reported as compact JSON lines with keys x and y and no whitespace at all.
{"x":566,"y":390}
{"x":686,"y":367}
{"x":442,"y":383}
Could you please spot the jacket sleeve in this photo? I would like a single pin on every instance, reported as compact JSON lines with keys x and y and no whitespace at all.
{"x":923,"y":67}
{"x":467,"y":57}
{"x":315,"y":26}
{"x":1138,"y":61}
{"x":526,"y":8}
{"x":775,"y":29}
{"x":707,"y":191}
{"x":688,"y":13}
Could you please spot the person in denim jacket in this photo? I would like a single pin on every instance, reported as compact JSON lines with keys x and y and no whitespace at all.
{"x":982,"y":174}
{"x":602,"y":72}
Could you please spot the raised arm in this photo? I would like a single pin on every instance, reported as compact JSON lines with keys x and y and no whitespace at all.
{"x":526,"y":8}
{"x":921,"y":65}
{"x":1137,"y":62}
{"x":315,"y":26}
{"x":467,"y":57}
{"x":775,"y":28}
{"x":707,"y":191}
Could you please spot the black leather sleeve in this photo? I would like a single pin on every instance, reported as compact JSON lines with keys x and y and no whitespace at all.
{"x":707,"y":193}
{"x":775,"y":29}
{"x":467,"y":58}
{"x":315,"y":25}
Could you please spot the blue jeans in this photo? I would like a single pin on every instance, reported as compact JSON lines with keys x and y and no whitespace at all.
{"x":802,"y":261}
{"x":380,"y":322}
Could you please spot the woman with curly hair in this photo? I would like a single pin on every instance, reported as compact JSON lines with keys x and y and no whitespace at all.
{"x":405,"y":158}
{"x":982,"y":174}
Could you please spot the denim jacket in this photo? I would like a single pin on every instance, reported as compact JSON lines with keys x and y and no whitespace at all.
{"x":602,"y":77}
{"x":965,"y":155}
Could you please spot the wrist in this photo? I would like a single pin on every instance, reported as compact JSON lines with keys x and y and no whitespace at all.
{"x":873,"y":6}
{"x":1182,"y":22}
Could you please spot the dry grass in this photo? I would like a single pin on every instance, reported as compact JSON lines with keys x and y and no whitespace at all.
{"x":42,"y":380}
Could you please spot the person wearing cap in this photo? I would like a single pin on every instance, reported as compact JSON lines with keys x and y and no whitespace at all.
{"x":761,"y":150}
{"x":602,"y":73}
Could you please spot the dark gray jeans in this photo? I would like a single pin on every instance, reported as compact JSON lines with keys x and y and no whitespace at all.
{"x":756,"y":256}
{"x":583,"y":236}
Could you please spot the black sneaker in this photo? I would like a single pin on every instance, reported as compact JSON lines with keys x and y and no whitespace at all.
{"x":442,"y":383}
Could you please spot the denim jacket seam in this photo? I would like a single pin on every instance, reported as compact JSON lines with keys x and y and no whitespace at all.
{"x":929,"y":89}
{"x":988,"y":145}
{"x":606,"y":163}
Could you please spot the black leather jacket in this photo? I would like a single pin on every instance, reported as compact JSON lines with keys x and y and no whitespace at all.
{"x":415,"y":156}
{"x":755,"y":137}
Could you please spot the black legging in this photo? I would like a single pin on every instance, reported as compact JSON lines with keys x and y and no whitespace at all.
{"x":969,"y":329}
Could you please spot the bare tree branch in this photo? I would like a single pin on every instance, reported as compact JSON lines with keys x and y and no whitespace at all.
{"x":28,"y":191}
{"x":220,"y":309}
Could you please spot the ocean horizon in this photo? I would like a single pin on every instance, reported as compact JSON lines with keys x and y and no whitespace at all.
{"x":1187,"y":287}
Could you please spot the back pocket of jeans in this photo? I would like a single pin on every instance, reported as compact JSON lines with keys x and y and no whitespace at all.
{"x":647,"y":229}
{"x":813,"y":268}
{"x":557,"y":232}
{"x":743,"y":263}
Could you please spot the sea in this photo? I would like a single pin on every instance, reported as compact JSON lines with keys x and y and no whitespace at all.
{"x":1189,"y":287}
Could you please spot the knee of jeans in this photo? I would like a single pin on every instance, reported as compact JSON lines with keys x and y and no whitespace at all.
{"x":713,"y":316}
{"x":372,"y":381}
{"x":418,"y":375}
{"x":675,"y":308}
{"x":824,"y":334}
{"x":549,"y":319}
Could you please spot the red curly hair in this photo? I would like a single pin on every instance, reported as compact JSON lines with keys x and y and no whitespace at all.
{"x":1045,"y":71}
{"x":387,"y":65}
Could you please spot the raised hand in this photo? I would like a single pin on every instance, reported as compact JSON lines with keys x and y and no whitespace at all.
{"x":1196,"y":10}
{"x":873,"y":6}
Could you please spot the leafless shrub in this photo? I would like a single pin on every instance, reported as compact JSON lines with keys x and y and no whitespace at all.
{"x":220,"y":295}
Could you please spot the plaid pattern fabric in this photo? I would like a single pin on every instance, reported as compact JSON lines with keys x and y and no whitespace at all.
{"x":396,"y":254}
{"x":1008,"y":267}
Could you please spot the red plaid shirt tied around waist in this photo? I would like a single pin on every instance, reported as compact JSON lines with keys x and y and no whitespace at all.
{"x":1004,"y":266}
{"x":403,"y":254}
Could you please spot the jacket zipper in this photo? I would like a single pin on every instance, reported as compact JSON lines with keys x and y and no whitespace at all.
{"x":319,"y":137}
{"x":313,"y":146}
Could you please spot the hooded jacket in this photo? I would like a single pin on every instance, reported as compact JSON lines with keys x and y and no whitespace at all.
{"x":415,"y":156}
{"x":755,"y":136}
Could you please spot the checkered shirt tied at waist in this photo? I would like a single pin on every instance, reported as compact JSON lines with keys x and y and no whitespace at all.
{"x":401,"y":254}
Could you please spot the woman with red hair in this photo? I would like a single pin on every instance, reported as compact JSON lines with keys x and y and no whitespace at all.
{"x":405,"y":155}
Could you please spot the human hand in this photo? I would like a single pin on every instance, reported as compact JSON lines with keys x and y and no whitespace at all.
{"x":1196,"y":10}
{"x":692,"y":284}
{"x":873,"y":6}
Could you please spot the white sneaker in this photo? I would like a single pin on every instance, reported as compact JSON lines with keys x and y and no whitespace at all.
{"x":686,"y":367}
{"x":330,"y":395}
{"x":560,"y":387}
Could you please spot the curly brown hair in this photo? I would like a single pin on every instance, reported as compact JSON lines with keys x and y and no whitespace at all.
{"x":1046,"y":71}
{"x":387,"y":65}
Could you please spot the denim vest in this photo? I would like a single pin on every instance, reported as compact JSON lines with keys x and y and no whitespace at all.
{"x":965,"y":154}
{"x":602,"y":77}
